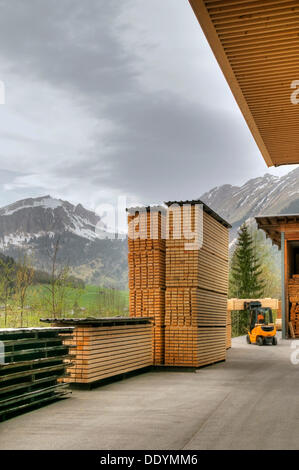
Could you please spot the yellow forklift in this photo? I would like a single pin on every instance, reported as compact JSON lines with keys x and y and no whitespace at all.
{"x":262,"y":329}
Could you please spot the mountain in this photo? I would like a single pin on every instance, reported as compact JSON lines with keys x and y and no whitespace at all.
{"x":34,"y":224}
{"x":266,"y":195}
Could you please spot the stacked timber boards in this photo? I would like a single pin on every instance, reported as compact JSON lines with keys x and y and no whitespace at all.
{"x":229,"y":330}
{"x":293,"y":292}
{"x":108,"y":347}
{"x":32,"y":367}
{"x":196,"y":288}
{"x":146,"y":261}
{"x":196,"y":280}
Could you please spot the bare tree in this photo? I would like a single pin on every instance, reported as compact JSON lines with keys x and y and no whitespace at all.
{"x":59,"y":283}
{"x":7,"y":279}
{"x":24,"y":279}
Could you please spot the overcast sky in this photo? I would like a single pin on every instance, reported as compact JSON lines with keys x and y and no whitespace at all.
{"x":115,"y":97}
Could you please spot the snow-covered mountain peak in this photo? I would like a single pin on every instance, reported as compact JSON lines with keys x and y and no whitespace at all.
{"x":35,"y":217}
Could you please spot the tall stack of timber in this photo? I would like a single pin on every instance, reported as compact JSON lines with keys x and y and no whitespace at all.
{"x":32,"y":366}
{"x":293,"y":290}
{"x":146,"y":241}
{"x":196,"y":285}
{"x":107,"y":347}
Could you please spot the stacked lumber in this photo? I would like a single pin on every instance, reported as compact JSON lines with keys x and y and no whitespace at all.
{"x":238,"y":304}
{"x":107,"y":347}
{"x":181,"y":346}
{"x":211,"y":345}
{"x":196,"y":287}
{"x":293,"y":292}
{"x":148,"y":303}
{"x":146,"y":259}
{"x":228,"y":330}
{"x":146,"y":268}
{"x":32,"y":365}
{"x":278,"y":322}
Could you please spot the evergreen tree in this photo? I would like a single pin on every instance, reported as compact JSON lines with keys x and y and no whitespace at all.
{"x":245,"y":274}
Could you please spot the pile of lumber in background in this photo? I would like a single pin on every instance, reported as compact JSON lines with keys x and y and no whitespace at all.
{"x":238,"y":304}
{"x":278,"y":322}
{"x":147,"y":271}
{"x":32,"y":365}
{"x":293,"y":292}
{"x":107,"y":347}
{"x":190,"y":311}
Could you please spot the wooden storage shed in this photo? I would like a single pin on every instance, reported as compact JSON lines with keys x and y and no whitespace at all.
{"x":284,"y":232}
{"x":190,"y":312}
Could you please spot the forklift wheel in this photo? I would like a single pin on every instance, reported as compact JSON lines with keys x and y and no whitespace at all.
{"x":274,"y":341}
{"x":248,"y":339}
{"x":259,"y":341}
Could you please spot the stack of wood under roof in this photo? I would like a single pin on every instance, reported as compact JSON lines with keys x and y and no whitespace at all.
{"x":293,"y":291}
{"x":196,"y":265}
{"x":147,"y":271}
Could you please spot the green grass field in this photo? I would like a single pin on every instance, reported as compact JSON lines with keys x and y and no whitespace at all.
{"x":90,"y":301}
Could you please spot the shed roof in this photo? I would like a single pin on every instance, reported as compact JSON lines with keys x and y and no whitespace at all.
{"x":273,"y":225}
{"x":206,"y":208}
{"x":256,"y":44}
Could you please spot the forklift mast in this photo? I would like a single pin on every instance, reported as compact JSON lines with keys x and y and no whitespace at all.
{"x":252,"y":305}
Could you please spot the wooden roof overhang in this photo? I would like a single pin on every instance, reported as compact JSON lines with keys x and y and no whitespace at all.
{"x":256,"y":44}
{"x":273,"y":225}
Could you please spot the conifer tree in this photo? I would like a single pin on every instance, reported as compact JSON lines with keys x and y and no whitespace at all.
{"x":245,"y":275}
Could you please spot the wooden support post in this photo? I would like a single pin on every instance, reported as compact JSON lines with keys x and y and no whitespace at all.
{"x":283,"y":299}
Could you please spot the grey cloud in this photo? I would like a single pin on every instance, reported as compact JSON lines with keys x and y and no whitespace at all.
{"x":68,"y":43}
{"x":167,"y":148}
{"x":160,"y":146}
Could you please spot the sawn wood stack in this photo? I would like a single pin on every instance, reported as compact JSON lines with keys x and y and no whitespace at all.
{"x":192,"y":275}
{"x":147,"y":271}
{"x":107,"y":347}
{"x":293,"y":290}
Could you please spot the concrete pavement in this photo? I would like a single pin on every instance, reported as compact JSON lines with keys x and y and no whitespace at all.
{"x":249,"y":402}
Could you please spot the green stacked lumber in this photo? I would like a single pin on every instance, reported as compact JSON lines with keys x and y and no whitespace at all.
{"x":32,"y":366}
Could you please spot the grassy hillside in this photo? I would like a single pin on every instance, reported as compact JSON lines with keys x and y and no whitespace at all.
{"x":84,"y":302}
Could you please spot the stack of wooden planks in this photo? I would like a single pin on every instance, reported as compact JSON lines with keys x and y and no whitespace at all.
{"x":107,"y":347}
{"x":191,"y":270}
{"x":32,"y":365}
{"x":238,"y":304}
{"x":278,"y":322}
{"x":196,"y":286}
{"x":293,"y":291}
{"x":146,"y":259}
{"x":228,"y":330}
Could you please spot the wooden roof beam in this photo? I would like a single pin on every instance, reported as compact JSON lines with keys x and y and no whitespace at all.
{"x":255,"y":44}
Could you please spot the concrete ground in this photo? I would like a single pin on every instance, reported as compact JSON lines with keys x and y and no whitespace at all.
{"x":249,"y":402}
